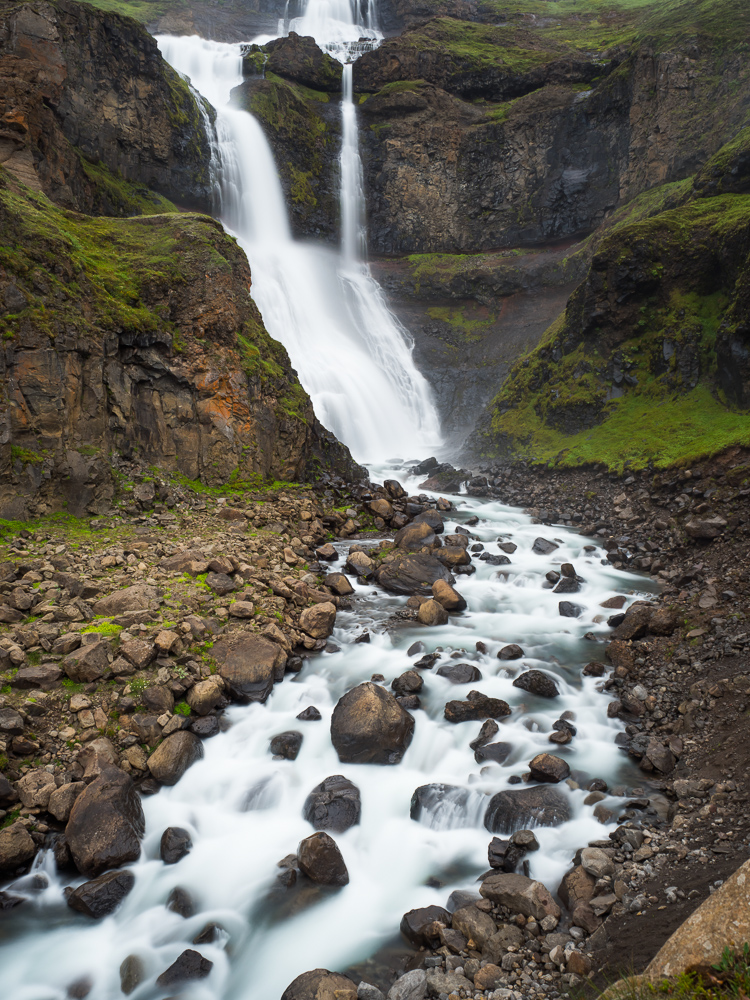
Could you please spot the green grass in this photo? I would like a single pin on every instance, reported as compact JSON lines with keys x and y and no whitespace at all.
{"x":471,"y":328}
{"x":103,"y":628}
{"x":727,"y":979}
{"x":182,"y":708}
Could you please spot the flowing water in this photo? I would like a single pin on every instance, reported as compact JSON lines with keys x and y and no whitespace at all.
{"x":242,"y":807}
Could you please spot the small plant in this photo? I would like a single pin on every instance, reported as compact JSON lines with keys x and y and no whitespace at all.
{"x":138,"y":685}
{"x":182,"y":708}
{"x":71,"y":687}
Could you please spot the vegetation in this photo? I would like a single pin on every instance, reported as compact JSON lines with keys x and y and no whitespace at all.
{"x":727,"y":979}
{"x":116,"y":196}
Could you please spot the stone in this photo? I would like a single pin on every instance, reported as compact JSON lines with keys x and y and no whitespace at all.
{"x":166,"y":640}
{"x":454,"y":555}
{"x":432,"y":613}
{"x":204,"y":696}
{"x":62,"y":800}
{"x":447,"y":983}
{"x":520,"y":894}
{"x":8,"y":794}
{"x":157,"y":699}
{"x":180,"y":902}
{"x":460,"y":673}
{"x":513,"y":809}
{"x":411,"y":986}
{"x":35,"y":789}
{"x":286,"y":745}
{"x":96,"y":757}
{"x":614,"y":603}
{"x":137,"y":652}
{"x":578,"y":964}
{"x":411,"y":573}
{"x":241,"y":609}
{"x":577,"y":886}
{"x":504,"y":854}
{"x":368,"y":726}
{"x":318,"y":621}
{"x":489,"y":977}
{"x":620,"y":654}
{"x":249,"y":664}
{"x":132,"y":974}
{"x":11,"y":723}
{"x":339,"y":584}
{"x":474,"y":924}
{"x":543,"y":547}
{"x":583,"y":916}
{"x":334,"y":804}
{"x":497,"y":752}
{"x":596,"y":862}
{"x":359,"y":564}
{"x":705,"y":527}
{"x":175,"y":844}
{"x":381,"y":507}
{"x":174,"y":756}
{"x":511,"y":652}
{"x":310,"y":714}
{"x":635,"y":624}
{"x":136,"y":598}
{"x":36,"y":677}
{"x":453,"y":939}
{"x":191,"y":965}
{"x":410,"y":682}
{"x":106,"y":824}
{"x":547,"y":767}
{"x":319,"y":858}
{"x":448,"y":596}
{"x":102,"y":895}
{"x":327,"y":553}
{"x":87,"y":663}
{"x":567,"y":609}
{"x":538,"y":683}
{"x":204,"y":727}
{"x":320,"y":984}
{"x":416,"y":536}
{"x":16,"y":848}
{"x":663,"y":621}
{"x":418,"y":926}
{"x":220,"y":583}
{"x":477,"y":706}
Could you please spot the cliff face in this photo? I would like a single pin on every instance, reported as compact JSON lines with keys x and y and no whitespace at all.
{"x":79,"y":87}
{"x":139,"y":336}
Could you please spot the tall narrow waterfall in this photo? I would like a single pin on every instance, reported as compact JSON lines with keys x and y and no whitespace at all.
{"x":351,"y":354}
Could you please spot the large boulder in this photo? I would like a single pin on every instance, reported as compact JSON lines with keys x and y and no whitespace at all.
{"x":368,"y":726}
{"x":448,"y":596}
{"x":174,"y":756}
{"x":411,"y":573}
{"x":512,"y":809}
{"x":16,"y":848}
{"x":88,"y":663}
{"x":319,"y":857}
{"x":101,"y":896}
{"x":548,"y":767}
{"x":432,"y":613}
{"x":62,"y":800}
{"x":538,"y":683}
{"x":474,"y":924}
{"x":35,"y":789}
{"x":414,"y":537}
{"x":106,"y":824}
{"x":418,"y":926}
{"x":334,"y":804}
{"x":476,"y":706}
{"x":320,"y":984}
{"x":520,"y":894}
{"x":249,"y":664}
{"x":136,"y":598}
{"x":460,"y":673}
{"x":318,"y":621}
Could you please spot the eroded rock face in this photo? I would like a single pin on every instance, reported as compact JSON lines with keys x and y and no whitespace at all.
{"x":298,"y":58}
{"x":106,"y":824}
{"x":369,"y":726}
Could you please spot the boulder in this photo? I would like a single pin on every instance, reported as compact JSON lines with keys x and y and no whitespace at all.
{"x":180,"y":901}
{"x":410,"y":682}
{"x":174,"y":756}
{"x":497,"y":752}
{"x":249,"y":664}
{"x":8,"y":794}
{"x":596,"y":862}
{"x":520,"y":894}
{"x":507,"y":936}
{"x":476,"y":706}
{"x":577,"y":886}
{"x":35,"y":789}
{"x":138,"y":653}
{"x":504,"y":854}
{"x":157,"y":699}
{"x":510,"y":652}
{"x":635,"y":624}
{"x":319,"y":858}
{"x":538,"y":683}
{"x":460,"y":673}
{"x":448,"y":596}
{"x":318,"y":621}
{"x":221,"y":583}
{"x":286,"y":745}
{"x":411,"y":986}
{"x":16,"y":848}
{"x":339,"y":584}
{"x":320,"y":984}
{"x":368,"y":726}
{"x":663,"y":621}
{"x":448,"y":983}
{"x":418,"y":926}
{"x":175,"y":844}
{"x":189,"y":966}
{"x":106,"y":824}
{"x":359,"y":564}
{"x":543,"y":547}
{"x":11,"y":723}
{"x":136,"y":598}
{"x":411,"y":573}
{"x":62,"y":800}
{"x":489,"y":977}
{"x":474,"y":924}
{"x":241,"y":609}
{"x":204,"y":696}
{"x":132,"y":973}
{"x":36,"y":677}
{"x":567,"y":609}
{"x":416,"y":536}
{"x":453,"y":555}
{"x":101,"y":896}
{"x":705,"y":527}
{"x":327,"y":553}
{"x":513,"y":809}
{"x":548,"y":767}
{"x":432,"y":613}
{"x":334,"y":804}
{"x":96,"y":757}
{"x":87,"y":663}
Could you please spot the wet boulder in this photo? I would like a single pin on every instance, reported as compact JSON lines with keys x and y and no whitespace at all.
{"x":16,"y":848}
{"x":520,"y":894}
{"x":419,"y":926}
{"x":477,"y":706}
{"x":410,"y":682}
{"x":454,"y":555}
{"x":174,"y":756}
{"x":190,"y":965}
{"x":320,"y":859}
{"x":548,"y":767}
{"x":180,"y":902}
{"x":411,"y":573}
{"x":496,"y":752}
{"x":334,"y":804}
{"x":543,"y":547}
{"x":368,"y":726}
{"x":432,"y":517}
{"x":320,"y":984}
{"x":431,"y":613}
{"x":510,"y":652}
{"x":339,"y":584}
{"x":204,"y":696}
{"x":175,"y":845}
{"x":513,"y":809}
{"x":504,"y":854}
{"x":101,"y":896}
{"x":286,"y":745}
{"x":538,"y":683}
{"x":132,"y":973}
{"x":249,"y":664}
{"x":567,"y":609}
{"x":448,"y":596}
{"x":318,"y":621}
{"x":460,"y":673}
{"x":442,"y":806}
{"x":106,"y":824}
{"x":415,"y":537}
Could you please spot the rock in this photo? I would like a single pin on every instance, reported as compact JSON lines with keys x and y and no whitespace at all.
{"x":36,"y":677}
{"x":707,"y":527}
{"x":359,"y":564}
{"x":62,"y":799}
{"x":180,"y":902}
{"x":205,"y":727}
{"x":497,"y":752}
{"x":543,"y":547}
{"x":368,"y":726}
{"x":460,"y":673}
{"x":547,"y":767}
{"x":418,"y":926}
{"x":447,"y":983}
{"x":381,"y":507}
{"x":87,"y":663}
{"x":538,"y":683}
{"x":489,"y":977}
{"x":504,"y":854}
{"x":432,"y":517}
{"x":327,"y":553}
{"x":635,"y":625}
{"x":411,"y":986}
{"x":416,"y":536}
{"x":137,"y":652}
{"x":596,"y":862}
{"x":35,"y":789}
{"x":11,"y":723}
{"x":320,"y":860}
{"x":136,"y":598}
{"x":220,"y":583}
{"x":249,"y":664}
{"x":106,"y":824}
{"x":132,"y":974}
{"x":339,"y":584}
{"x":320,"y":984}
{"x":664,"y":621}
{"x":157,"y":699}
{"x":511,"y":652}
{"x":411,"y":573}
{"x":189,"y":966}
{"x":578,"y":964}
{"x":166,"y":641}
{"x":512,"y":810}
{"x":567,"y":609}
{"x":526,"y":839}
{"x":286,"y":745}
{"x":101,"y":896}
{"x":474,"y":924}
{"x":620,"y":654}
{"x":454,"y":555}
{"x":583,"y":916}
{"x":438,"y":805}
{"x":318,"y":621}
{"x":175,"y":844}
{"x":520,"y":894}
{"x":8,"y":794}
{"x":448,"y":596}
{"x":16,"y":847}
{"x":476,"y":706}
{"x":204,"y":696}
{"x":241,"y":609}
{"x":310,"y":714}
{"x":432,"y":613}
{"x":410,"y":682}
{"x":334,"y":804}
{"x":174,"y":756}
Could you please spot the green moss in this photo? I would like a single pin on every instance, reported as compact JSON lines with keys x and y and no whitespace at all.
{"x":471,"y":328}
{"x":26,"y":456}
{"x":103,"y":628}
{"x":116,"y":196}
{"x":182,"y":708}
{"x":301,"y":188}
